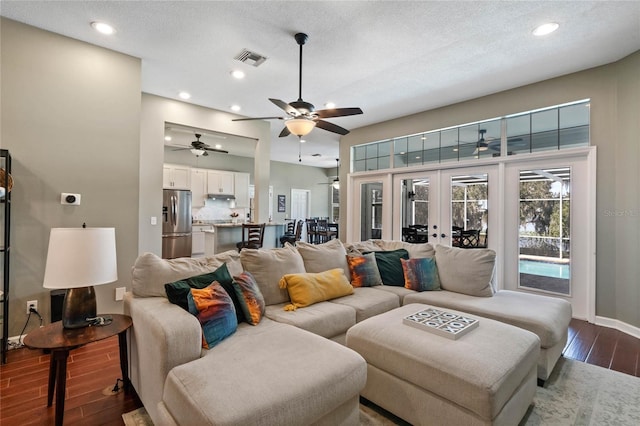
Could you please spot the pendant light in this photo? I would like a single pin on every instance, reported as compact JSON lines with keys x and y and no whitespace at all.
{"x":336,"y":181}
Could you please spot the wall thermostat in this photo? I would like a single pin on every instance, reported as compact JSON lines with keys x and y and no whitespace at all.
{"x":70,"y":199}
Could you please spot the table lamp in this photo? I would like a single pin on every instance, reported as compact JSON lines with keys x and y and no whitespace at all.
{"x":78,"y":259}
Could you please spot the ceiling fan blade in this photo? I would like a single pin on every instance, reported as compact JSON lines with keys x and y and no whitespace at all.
{"x":325,"y":125}
{"x":285,"y":106}
{"x":337,"y":112}
{"x":258,"y":118}
{"x":180,"y":149}
{"x":285,"y":132}
{"x":215,"y":150}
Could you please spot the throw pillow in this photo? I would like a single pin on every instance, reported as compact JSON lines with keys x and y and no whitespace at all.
{"x":309,"y":288}
{"x":414,"y":249}
{"x":150,"y":272}
{"x":360,"y":247}
{"x":466,"y":271}
{"x":268,"y":266}
{"x":250,"y":297}
{"x":390,"y":267}
{"x":215,"y":312}
{"x":322,"y":257}
{"x":420,"y":274}
{"x":364,"y":270}
{"x":178,"y":291}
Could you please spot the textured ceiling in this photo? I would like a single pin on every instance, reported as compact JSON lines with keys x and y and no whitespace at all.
{"x":390,"y":58}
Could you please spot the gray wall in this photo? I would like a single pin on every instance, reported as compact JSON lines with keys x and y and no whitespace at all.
{"x":70,"y":118}
{"x":614,"y":91}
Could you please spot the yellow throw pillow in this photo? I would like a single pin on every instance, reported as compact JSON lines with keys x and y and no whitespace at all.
{"x":309,"y":288}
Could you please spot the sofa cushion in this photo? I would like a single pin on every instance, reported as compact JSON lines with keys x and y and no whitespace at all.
{"x":414,"y":249}
{"x":466,"y":271}
{"x":322,"y":257}
{"x":389,"y":266}
{"x":150,"y":272}
{"x":309,"y":288}
{"x":178,"y":291}
{"x":363,"y":270}
{"x":249,"y":296}
{"x":215,"y":312}
{"x":420,"y":274}
{"x":325,"y":319}
{"x":285,"y":376}
{"x":400,"y":292}
{"x":367,"y":302}
{"x":269,"y":265}
{"x":360,"y":247}
{"x":548,"y":317}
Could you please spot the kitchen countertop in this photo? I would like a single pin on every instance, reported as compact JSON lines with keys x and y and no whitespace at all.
{"x":238,"y":225}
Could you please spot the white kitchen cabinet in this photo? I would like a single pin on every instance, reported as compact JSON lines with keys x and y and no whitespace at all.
{"x":241,"y":182}
{"x":197,"y":240}
{"x":176,"y":176}
{"x":198,"y":187}
{"x":219,"y":182}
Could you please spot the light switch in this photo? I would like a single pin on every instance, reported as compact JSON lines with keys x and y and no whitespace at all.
{"x":120,"y":293}
{"x":154,"y":220}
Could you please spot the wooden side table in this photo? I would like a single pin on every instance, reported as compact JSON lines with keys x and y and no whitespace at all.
{"x":60,"y":341}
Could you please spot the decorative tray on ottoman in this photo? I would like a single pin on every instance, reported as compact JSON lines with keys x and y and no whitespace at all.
{"x":443,"y":323}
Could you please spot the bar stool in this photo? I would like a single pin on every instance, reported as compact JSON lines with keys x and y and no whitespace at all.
{"x":252,"y":236}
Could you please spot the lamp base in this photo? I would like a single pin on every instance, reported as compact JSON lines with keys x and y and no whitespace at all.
{"x":79,"y":304}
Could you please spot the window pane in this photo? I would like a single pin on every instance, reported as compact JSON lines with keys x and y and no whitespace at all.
{"x":372,"y":163}
{"x":384,"y":162}
{"x":372,"y":150}
{"x":574,"y":125}
{"x":469,"y":210}
{"x":384,"y":148}
{"x":371,"y":211}
{"x":449,"y":145}
{"x":359,"y":152}
{"x":359,"y":166}
{"x":544,"y":234}
{"x":414,"y":210}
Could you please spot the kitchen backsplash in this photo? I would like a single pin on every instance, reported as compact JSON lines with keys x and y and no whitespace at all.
{"x":217,"y":210}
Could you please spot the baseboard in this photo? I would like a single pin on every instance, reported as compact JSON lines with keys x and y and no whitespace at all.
{"x":618,"y":325}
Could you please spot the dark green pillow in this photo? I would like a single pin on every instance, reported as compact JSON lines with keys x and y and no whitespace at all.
{"x":177,"y":292}
{"x":390,"y":267}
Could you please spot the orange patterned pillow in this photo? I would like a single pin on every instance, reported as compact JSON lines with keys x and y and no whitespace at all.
{"x":364,"y":270}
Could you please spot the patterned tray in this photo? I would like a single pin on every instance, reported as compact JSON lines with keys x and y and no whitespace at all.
{"x":442,"y":323}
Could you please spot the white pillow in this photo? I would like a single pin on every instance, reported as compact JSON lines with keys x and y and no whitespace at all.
{"x":268,"y":266}
{"x":150,"y":272}
{"x":414,"y":249}
{"x":323,"y":257}
{"x":466,"y":271}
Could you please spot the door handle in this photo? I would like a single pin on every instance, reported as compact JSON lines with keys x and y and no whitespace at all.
{"x":174,"y":209}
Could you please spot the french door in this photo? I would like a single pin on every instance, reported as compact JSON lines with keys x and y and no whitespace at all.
{"x":549,"y":240}
{"x":455,"y":207}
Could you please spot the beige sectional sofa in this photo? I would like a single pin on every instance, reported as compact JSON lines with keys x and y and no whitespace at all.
{"x":288,"y":369}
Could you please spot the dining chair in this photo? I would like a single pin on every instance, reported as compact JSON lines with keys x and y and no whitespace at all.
{"x":295,"y":237}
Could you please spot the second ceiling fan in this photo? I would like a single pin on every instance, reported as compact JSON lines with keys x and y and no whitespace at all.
{"x":302,"y":116}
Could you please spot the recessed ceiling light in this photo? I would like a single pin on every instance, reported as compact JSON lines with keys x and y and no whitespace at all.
{"x":330,"y":105}
{"x":218,"y":146}
{"x":302,"y":141}
{"x":238,"y":74}
{"x":235,"y":108}
{"x":103,"y":28}
{"x":184,"y":95}
{"x":167,"y":138}
{"x":545,"y":29}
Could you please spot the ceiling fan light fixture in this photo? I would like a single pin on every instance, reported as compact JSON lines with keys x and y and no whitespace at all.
{"x":300,"y":126}
{"x":544,"y":29}
{"x":336,"y":184}
{"x":197,"y":152}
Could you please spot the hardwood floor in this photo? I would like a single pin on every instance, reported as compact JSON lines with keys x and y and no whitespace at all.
{"x":95,"y":367}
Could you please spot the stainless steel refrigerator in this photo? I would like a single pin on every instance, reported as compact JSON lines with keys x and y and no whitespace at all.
{"x":176,"y":223}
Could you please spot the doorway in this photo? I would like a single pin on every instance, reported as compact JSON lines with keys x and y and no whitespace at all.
{"x":300,"y":207}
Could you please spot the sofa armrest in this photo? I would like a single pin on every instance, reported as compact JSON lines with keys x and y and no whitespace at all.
{"x":163,"y":336}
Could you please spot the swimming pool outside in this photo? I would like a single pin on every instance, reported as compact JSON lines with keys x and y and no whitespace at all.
{"x":546,"y":269}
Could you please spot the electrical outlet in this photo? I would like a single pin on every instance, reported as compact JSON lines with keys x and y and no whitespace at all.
{"x":32,"y":304}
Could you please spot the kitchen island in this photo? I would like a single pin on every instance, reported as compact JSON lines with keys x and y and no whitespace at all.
{"x":224,"y":236}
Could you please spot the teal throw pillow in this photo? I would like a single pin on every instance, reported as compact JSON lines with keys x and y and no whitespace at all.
{"x":214,"y":309}
{"x":178,"y":291}
{"x":390,"y":267}
{"x":421,"y":274}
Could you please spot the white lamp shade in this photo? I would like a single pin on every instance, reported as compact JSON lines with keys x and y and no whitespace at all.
{"x":81,"y":257}
{"x":300,"y":126}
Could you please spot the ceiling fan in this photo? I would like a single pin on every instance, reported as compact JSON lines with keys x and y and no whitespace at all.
{"x":336,"y":181}
{"x":199,"y":148}
{"x":302,"y":116}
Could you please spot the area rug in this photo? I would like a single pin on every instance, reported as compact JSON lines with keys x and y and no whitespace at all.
{"x":576,"y":394}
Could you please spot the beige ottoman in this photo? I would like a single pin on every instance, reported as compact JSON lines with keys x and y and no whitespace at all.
{"x":487,"y":376}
